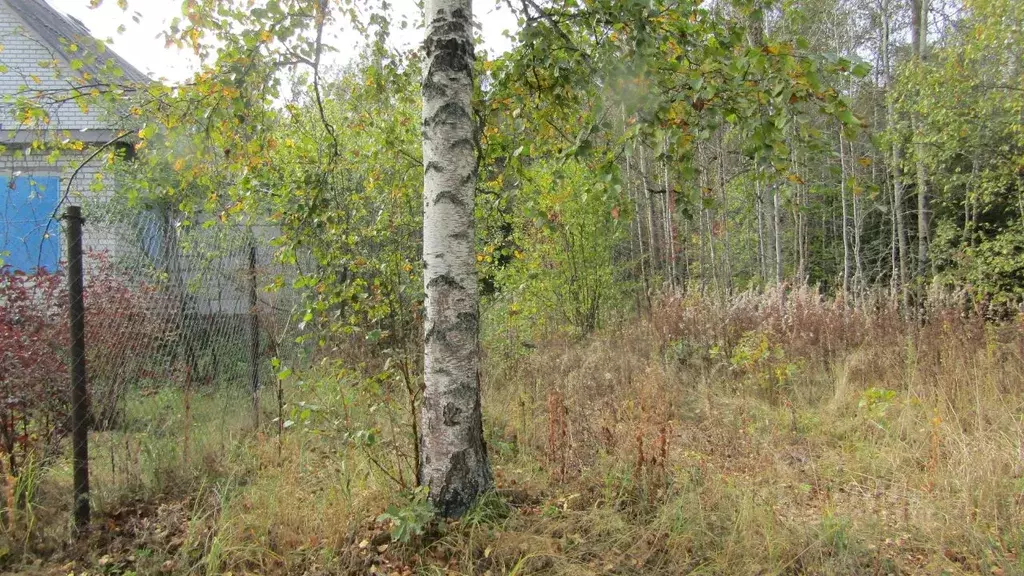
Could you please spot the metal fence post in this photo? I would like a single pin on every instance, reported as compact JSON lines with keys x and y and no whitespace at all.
{"x":254,"y":335}
{"x":79,"y":394}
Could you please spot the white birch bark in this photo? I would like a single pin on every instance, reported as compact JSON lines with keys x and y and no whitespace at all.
{"x":846,"y":228}
{"x":453,"y":458}
{"x":897,"y":164}
{"x":919,"y":42}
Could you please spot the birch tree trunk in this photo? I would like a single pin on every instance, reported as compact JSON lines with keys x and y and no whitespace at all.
{"x":727,"y":249}
{"x":897,"y":165}
{"x":759,"y":207}
{"x":846,"y":234}
{"x":453,"y":458}
{"x":919,"y":42}
{"x":670,"y":227}
{"x":637,"y":222}
{"x":777,"y":229}
{"x":655,"y":251}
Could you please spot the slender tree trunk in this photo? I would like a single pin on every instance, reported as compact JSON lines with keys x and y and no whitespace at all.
{"x":858,"y":267}
{"x":898,"y":214}
{"x":968,"y":234}
{"x":855,"y":196}
{"x":710,"y":222}
{"x":759,"y":206}
{"x":634,"y":196}
{"x":846,"y":228}
{"x":798,"y":239}
{"x":700,"y":238}
{"x":894,"y":253}
{"x":777,"y":226}
{"x":701,"y":184}
{"x":727,"y":247}
{"x":919,"y":25}
{"x":670,"y":228}
{"x":655,"y":251}
{"x":757,"y":41}
{"x":453,"y":457}
{"x":897,"y":166}
{"x":684,"y":254}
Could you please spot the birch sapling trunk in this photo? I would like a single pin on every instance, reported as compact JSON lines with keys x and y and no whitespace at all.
{"x":777,"y":232}
{"x":919,"y":42}
{"x":846,"y":228}
{"x":897,"y":166}
{"x":727,"y":250}
{"x":669,"y":202}
{"x":453,"y":458}
{"x":759,"y":208}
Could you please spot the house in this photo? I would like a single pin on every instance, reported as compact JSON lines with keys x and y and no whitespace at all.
{"x":50,"y":68}
{"x":50,"y":131}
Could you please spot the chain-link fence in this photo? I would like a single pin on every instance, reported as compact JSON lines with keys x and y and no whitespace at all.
{"x":149,"y":301}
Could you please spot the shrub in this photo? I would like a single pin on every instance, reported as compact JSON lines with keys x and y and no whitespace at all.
{"x":34,"y":400}
{"x":33,"y":329}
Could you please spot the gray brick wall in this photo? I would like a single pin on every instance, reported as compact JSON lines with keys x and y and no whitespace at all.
{"x":23,"y":55}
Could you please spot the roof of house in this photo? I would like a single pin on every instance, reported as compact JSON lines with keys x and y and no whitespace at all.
{"x":59,"y":31}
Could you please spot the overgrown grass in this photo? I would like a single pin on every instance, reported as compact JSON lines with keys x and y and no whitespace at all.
{"x":758,"y":437}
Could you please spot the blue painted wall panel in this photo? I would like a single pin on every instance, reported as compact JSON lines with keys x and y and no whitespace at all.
{"x":29,"y":238}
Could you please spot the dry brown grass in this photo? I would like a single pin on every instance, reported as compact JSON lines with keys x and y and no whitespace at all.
{"x":804,"y":439}
{"x":759,"y":437}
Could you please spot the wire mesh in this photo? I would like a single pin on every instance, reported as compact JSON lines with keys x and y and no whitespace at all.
{"x":168,"y":304}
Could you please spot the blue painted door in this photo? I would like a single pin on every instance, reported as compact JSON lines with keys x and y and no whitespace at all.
{"x":29,"y":236}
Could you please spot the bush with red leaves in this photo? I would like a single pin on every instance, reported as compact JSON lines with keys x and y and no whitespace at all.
{"x":33,"y":362}
{"x":34,"y":352}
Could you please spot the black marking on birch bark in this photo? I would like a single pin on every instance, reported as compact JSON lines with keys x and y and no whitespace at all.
{"x":444,"y":372}
{"x":445,"y":280}
{"x":455,"y":496}
{"x":459,"y":235}
{"x":467,"y":321}
{"x":440,"y":331}
{"x":450,"y":114}
{"x":434,"y":90}
{"x":465,"y":144}
{"x":433,"y":166}
{"x":440,"y":337}
{"x":449,"y":51}
{"x":450,"y":414}
{"x":469,"y":178}
{"x":450,"y":196}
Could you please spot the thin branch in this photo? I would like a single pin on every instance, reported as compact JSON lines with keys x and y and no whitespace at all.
{"x":71,"y":180}
{"x":321,"y":20}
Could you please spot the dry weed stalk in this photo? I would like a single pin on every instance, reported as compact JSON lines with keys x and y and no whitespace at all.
{"x":558,"y":432}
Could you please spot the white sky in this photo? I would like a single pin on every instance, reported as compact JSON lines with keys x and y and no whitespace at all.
{"x":141,"y":44}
